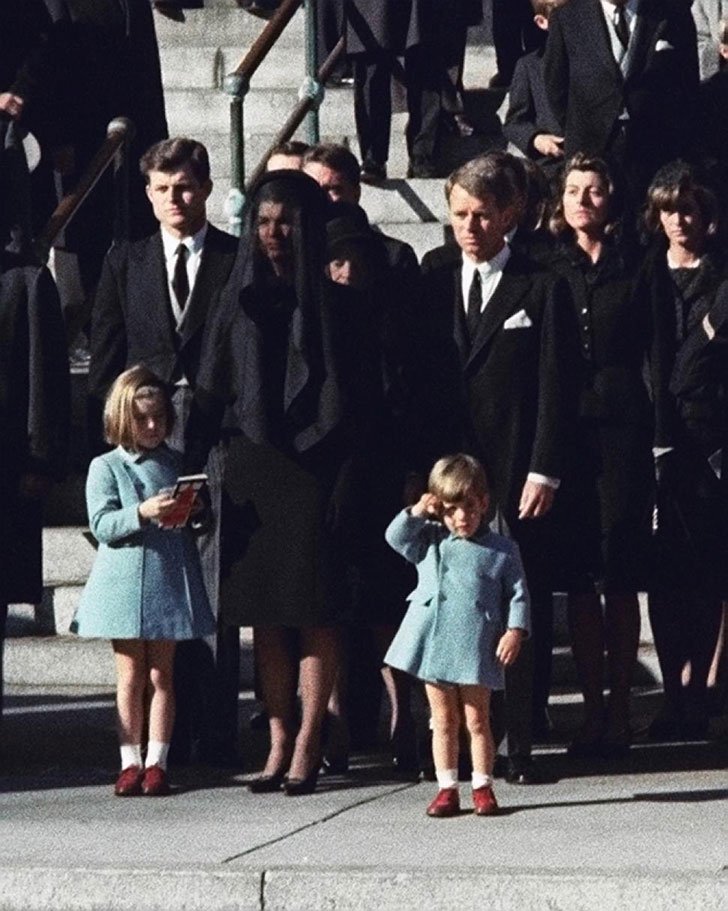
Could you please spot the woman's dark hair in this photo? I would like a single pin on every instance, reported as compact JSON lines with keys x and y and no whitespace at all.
{"x":581,"y":161}
{"x":672,"y":184}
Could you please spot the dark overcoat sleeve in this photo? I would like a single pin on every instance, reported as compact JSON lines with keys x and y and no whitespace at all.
{"x":48,"y":378}
{"x":558,"y":372}
{"x":520,"y":125}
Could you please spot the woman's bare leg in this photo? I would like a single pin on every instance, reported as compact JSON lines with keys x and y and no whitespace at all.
{"x":317,"y":672}
{"x":277,"y":653}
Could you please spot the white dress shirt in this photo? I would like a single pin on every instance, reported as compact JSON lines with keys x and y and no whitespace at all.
{"x":490,"y":275}
{"x":194,"y":245}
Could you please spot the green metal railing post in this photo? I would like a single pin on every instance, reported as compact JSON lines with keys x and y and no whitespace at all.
{"x":237,"y":87}
{"x":311,"y":86}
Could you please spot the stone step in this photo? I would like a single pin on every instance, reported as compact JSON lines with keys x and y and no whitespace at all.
{"x":51,"y":661}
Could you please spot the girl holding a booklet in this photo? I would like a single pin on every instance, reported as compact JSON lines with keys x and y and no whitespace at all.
{"x":145,"y":591}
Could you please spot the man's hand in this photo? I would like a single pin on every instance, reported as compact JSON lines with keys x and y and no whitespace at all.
{"x":12,"y":105}
{"x":548,"y":144}
{"x":536,"y":500}
{"x":509,"y":646}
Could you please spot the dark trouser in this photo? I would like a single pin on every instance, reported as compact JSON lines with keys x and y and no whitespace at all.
{"x":373,"y":103}
{"x":514,"y":33}
{"x":528,"y":681}
{"x":206,"y":671}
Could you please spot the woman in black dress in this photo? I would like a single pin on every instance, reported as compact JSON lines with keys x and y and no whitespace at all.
{"x":606,"y":496}
{"x":685,"y":273}
{"x":279,"y":358}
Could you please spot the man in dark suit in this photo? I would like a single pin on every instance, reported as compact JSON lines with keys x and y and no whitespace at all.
{"x":500,"y":332}
{"x":622,"y":79}
{"x":530,"y":123}
{"x":153,"y":301}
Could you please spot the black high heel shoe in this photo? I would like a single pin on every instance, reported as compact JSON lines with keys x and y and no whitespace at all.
{"x":267,"y":784}
{"x":297,"y":787}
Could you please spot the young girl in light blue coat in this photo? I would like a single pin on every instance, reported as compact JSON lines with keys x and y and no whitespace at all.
{"x":145,"y":590}
{"x":465,"y":621}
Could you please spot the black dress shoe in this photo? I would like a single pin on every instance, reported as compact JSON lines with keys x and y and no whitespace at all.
{"x":521,"y":771}
{"x":267,"y":784}
{"x":297,"y":787}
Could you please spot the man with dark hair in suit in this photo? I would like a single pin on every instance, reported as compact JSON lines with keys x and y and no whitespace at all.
{"x":622,"y":79}
{"x":153,"y":301}
{"x":500,"y":331}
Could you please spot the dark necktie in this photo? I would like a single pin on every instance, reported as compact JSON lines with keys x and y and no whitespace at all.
{"x":180,"y":282}
{"x":475,"y":302}
{"x":620,"y":25}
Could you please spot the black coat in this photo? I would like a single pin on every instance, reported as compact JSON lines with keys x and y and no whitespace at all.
{"x":509,"y":392}
{"x":34,"y":416}
{"x":112,"y":70}
{"x":396,"y":25}
{"x":529,"y":111}
{"x":606,"y":496}
{"x":31,"y":65}
{"x":132,"y":320}
{"x":588,"y":92}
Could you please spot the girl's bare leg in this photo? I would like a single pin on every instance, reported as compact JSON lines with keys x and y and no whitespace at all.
{"x":131,"y":680}
{"x":160,"y":664}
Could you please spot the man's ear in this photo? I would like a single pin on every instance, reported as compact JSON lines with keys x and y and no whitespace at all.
{"x":541,"y":21}
{"x":207,"y":187}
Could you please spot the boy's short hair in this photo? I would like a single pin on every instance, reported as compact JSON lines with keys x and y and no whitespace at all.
{"x":546,"y":7}
{"x":672,"y":182}
{"x":336,"y":157}
{"x":455,"y":477}
{"x":172,"y":154}
{"x":133,"y":385}
{"x":496,"y":174}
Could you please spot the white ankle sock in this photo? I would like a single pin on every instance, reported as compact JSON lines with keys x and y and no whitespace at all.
{"x":482,"y":780}
{"x":157,"y":754}
{"x":131,"y":754}
{"x":447,"y":778}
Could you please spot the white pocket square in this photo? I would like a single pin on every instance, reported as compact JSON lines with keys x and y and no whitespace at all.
{"x":520,"y":320}
{"x":663,"y":45}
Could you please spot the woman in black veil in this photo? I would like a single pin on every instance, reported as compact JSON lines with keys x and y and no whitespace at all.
{"x":278,"y":361}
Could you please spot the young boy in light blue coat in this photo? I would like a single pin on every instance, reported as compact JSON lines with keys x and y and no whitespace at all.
{"x":465,"y":621}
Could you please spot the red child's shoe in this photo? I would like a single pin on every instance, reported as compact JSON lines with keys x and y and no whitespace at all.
{"x":484,"y":802}
{"x":446,"y":803}
{"x":154,"y":783}
{"x":129,"y":782}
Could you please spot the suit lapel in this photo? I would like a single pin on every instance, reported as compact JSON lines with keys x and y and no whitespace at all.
{"x":460,"y":329}
{"x":206,"y":283}
{"x":641,"y":42}
{"x":506,"y":301}
{"x":601,"y":44}
{"x":153,"y":274}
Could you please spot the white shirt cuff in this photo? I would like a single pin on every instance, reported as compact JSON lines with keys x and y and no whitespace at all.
{"x":537,"y":478}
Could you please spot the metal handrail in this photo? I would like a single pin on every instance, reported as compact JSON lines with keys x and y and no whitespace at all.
{"x":306,"y":104}
{"x":118,"y":135}
{"x":311,"y":95}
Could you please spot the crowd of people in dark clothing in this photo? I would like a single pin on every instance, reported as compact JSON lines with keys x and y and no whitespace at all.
{"x":572,"y":337}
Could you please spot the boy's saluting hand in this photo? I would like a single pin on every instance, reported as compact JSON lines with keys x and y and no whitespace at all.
{"x":428,"y":505}
{"x":509,"y":646}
